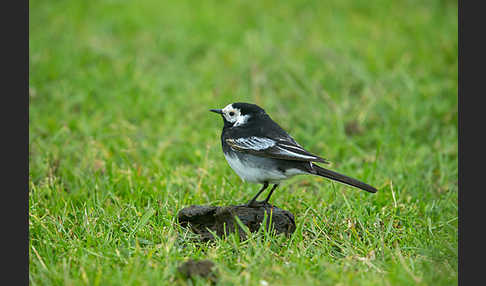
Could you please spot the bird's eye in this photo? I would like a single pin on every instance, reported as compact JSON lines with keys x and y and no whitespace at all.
{"x":231,"y":113}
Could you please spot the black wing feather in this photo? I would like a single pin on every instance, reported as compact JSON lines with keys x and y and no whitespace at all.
{"x":271,"y":148}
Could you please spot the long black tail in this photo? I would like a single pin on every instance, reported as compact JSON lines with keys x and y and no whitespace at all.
{"x":343,"y":179}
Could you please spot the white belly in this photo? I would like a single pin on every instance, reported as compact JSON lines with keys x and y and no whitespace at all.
{"x":258,"y":171}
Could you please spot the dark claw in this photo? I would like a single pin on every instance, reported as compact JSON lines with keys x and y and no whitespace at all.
{"x":257,"y":204}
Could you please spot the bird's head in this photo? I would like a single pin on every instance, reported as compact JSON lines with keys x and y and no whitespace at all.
{"x":239,"y":113}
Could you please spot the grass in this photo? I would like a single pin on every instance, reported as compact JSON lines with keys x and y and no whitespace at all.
{"x":121,"y":138}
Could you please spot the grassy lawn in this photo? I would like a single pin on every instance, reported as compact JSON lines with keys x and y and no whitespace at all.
{"x":121,"y":138}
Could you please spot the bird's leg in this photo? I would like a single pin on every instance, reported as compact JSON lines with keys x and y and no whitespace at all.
{"x":253,"y":201}
{"x":270,"y":194}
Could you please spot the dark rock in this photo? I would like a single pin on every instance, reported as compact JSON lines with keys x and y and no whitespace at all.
{"x":221,"y":220}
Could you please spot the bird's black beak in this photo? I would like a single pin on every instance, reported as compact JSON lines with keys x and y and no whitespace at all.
{"x":219,"y":111}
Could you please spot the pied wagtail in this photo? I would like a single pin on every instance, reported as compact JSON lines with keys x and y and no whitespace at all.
{"x":260,"y":151}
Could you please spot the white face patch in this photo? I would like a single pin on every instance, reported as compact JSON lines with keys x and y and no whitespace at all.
{"x":233,"y":115}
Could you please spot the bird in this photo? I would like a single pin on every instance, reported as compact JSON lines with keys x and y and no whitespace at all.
{"x":262,"y":152}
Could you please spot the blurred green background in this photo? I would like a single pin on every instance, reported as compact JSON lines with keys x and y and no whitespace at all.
{"x":120,"y":138}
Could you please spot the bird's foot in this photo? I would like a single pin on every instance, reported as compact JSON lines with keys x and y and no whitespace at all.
{"x":257,"y":204}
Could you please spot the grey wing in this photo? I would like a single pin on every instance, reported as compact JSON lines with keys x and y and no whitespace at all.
{"x":278,"y":149}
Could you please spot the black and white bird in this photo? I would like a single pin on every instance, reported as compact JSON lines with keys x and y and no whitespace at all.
{"x":260,"y":151}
